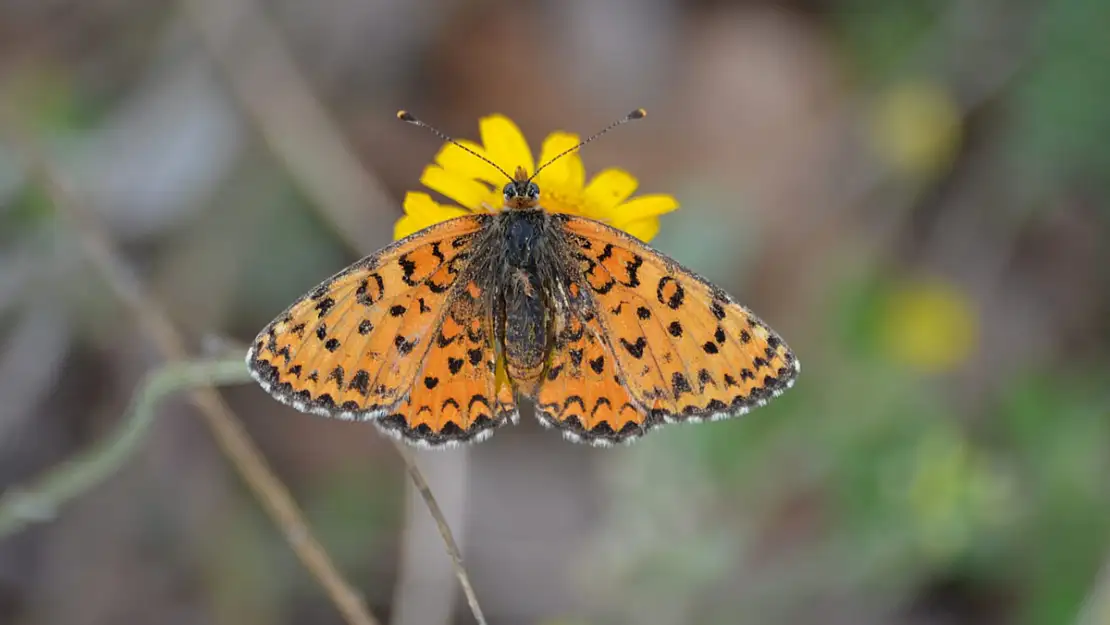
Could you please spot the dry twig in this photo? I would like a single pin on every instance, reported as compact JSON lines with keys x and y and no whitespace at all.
{"x":263,"y":77}
{"x":232,"y":439}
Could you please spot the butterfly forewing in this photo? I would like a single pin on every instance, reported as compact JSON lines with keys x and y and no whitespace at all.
{"x":355,"y":346}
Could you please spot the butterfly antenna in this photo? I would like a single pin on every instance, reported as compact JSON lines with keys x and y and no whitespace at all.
{"x":634,"y":115}
{"x":406,"y":116}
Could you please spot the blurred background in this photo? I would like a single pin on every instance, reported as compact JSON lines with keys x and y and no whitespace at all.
{"x":914,"y":193}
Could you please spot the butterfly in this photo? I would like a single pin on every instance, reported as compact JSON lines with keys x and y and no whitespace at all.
{"x":436,"y":337}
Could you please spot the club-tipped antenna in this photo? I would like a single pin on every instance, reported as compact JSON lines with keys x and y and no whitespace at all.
{"x":406,"y":116}
{"x":634,"y":115}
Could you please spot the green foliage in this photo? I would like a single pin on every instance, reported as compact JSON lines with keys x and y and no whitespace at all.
{"x":1059,"y":113}
{"x":879,"y":37}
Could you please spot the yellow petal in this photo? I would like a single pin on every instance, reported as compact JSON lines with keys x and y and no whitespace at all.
{"x":455,"y":159}
{"x":420,"y":212}
{"x":610,"y":187}
{"x":466,"y":191}
{"x":566,"y":174}
{"x":640,"y":207}
{"x":643,"y":229}
{"x":505,"y":144}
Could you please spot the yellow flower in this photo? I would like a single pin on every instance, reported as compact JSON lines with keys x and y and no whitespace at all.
{"x":916,"y":128}
{"x":476,"y":186}
{"x":930,"y":325}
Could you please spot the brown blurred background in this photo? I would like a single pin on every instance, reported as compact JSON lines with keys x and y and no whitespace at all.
{"x":914,"y":193}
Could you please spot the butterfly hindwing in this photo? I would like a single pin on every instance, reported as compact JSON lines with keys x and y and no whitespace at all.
{"x":581,"y":392}
{"x":456,"y":396}
{"x":683,"y":348}
{"x":355,"y":345}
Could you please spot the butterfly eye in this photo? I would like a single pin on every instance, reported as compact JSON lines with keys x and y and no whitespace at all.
{"x":509,"y":190}
{"x":533,"y":191}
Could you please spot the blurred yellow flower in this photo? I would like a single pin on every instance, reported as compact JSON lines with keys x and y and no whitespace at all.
{"x":929,"y":325}
{"x":916,"y":128}
{"x":476,"y":186}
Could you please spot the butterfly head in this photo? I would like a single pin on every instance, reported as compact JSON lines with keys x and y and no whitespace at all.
{"x":521,"y":193}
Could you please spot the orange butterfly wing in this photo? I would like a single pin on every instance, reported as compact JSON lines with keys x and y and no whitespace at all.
{"x":456,"y":396}
{"x":368,"y":342}
{"x":675,"y":347}
{"x":581,"y":392}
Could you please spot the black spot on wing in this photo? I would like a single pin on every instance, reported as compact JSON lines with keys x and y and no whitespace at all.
{"x":554,"y":372}
{"x":704,"y":378}
{"x":717,"y":309}
{"x":337,"y":375}
{"x":677,"y":296}
{"x":475,"y":356}
{"x":404,"y":347}
{"x":598,"y":364}
{"x":679,"y":384}
{"x":361,"y":382}
{"x":364,"y":295}
{"x":408,"y":267}
{"x":632,"y":268}
{"x":636,"y":350}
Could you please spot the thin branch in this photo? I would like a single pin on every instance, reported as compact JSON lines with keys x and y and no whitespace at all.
{"x":40,"y":501}
{"x":228,"y":432}
{"x":263,"y":76}
{"x":444,"y":530}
